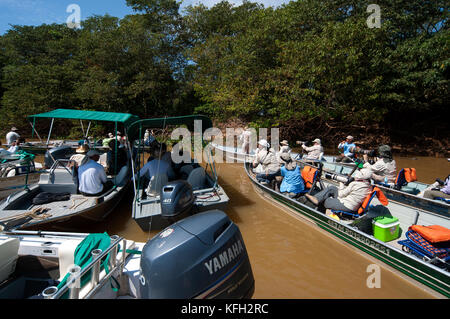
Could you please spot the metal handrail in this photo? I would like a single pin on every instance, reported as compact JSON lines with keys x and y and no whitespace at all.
{"x":97,"y":255}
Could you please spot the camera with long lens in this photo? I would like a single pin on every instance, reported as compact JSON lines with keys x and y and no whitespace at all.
{"x":361,"y":151}
{"x":339,"y":178}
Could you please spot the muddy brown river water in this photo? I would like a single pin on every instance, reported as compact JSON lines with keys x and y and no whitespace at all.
{"x":292,"y":258}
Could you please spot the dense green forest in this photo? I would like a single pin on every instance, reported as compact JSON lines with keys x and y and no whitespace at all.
{"x":311,"y":66}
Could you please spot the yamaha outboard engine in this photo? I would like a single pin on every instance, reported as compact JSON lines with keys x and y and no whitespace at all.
{"x":177,"y":200}
{"x":202,"y":256}
{"x":61,"y":152}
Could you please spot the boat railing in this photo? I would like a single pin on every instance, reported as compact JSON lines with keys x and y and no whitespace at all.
{"x":60,"y":162}
{"x":73,"y":287}
{"x":212,"y":165}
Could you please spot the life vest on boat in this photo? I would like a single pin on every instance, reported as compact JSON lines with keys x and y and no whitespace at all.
{"x":405,"y":176}
{"x":410,"y":174}
{"x":433,"y":233}
{"x":308,"y":175}
{"x":375,"y":192}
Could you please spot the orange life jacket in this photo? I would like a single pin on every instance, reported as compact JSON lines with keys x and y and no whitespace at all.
{"x":381,"y":197}
{"x":410,"y":174}
{"x":308,"y":173}
{"x":433,"y":233}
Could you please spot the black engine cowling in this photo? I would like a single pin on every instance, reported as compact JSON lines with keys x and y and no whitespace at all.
{"x":177,"y":198}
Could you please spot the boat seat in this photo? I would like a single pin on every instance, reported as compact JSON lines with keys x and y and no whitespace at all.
{"x":365,"y":205}
{"x":9,"y":252}
{"x":66,"y":253}
{"x":186,"y":170}
{"x":60,"y":181}
{"x":156,"y":183}
{"x":121,"y":178}
{"x":197,"y":178}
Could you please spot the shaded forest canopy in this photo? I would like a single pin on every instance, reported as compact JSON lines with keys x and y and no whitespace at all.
{"x":312,"y":67}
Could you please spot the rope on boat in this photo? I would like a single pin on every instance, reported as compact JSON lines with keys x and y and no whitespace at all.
{"x":37,"y":213}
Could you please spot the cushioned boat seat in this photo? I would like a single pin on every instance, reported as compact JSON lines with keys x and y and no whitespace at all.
{"x":197,"y":178}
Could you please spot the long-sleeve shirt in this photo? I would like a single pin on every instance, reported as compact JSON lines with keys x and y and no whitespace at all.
{"x":268,"y":162}
{"x":382,"y":169}
{"x":313,"y":151}
{"x":354,"y":194}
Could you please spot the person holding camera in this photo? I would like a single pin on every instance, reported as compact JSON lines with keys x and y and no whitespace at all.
{"x":266,"y":164}
{"x":346,"y":198}
{"x":315,"y":152}
{"x":346,"y":147}
{"x":384,"y":169}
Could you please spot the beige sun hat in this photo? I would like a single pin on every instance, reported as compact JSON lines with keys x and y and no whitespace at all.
{"x":284,"y":142}
{"x":264,"y":143}
{"x":83,"y":149}
{"x":317,"y":141}
{"x":350,"y":137}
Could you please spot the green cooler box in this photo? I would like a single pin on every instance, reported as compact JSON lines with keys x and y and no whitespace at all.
{"x":386,"y":228}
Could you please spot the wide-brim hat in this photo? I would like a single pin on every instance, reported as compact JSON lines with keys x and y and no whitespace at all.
{"x":284,"y":142}
{"x":14,"y":128}
{"x":83,"y":149}
{"x":285,"y":157}
{"x":349,"y":137}
{"x":93,"y":153}
{"x":264,"y":143}
{"x":317,"y":141}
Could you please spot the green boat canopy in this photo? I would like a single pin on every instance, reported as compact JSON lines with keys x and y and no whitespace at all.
{"x":136,"y":128}
{"x":73,"y":114}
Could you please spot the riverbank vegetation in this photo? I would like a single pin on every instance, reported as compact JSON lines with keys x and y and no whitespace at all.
{"x":312,"y":67}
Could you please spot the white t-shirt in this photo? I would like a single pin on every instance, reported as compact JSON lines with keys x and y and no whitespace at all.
{"x":91,"y":177}
{"x":12,"y":136}
{"x":13,"y":149}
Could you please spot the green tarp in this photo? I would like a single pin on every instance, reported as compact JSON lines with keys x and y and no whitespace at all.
{"x":73,"y":114}
{"x":135,"y":129}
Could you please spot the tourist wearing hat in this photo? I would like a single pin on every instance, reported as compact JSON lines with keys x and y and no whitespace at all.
{"x":346,"y":147}
{"x":284,"y":149}
{"x":79,"y":158}
{"x":348,"y":198}
{"x":12,"y":136}
{"x":292,"y":183}
{"x":384,"y":169}
{"x":92,"y":177}
{"x":245,"y":139}
{"x":266,"y":164}
{"x":315,"y":152}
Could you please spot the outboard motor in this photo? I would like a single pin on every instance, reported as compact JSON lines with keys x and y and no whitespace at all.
{"x":177,"y":199}
{"x":61,"y":152}
{"x":202,"y":256}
